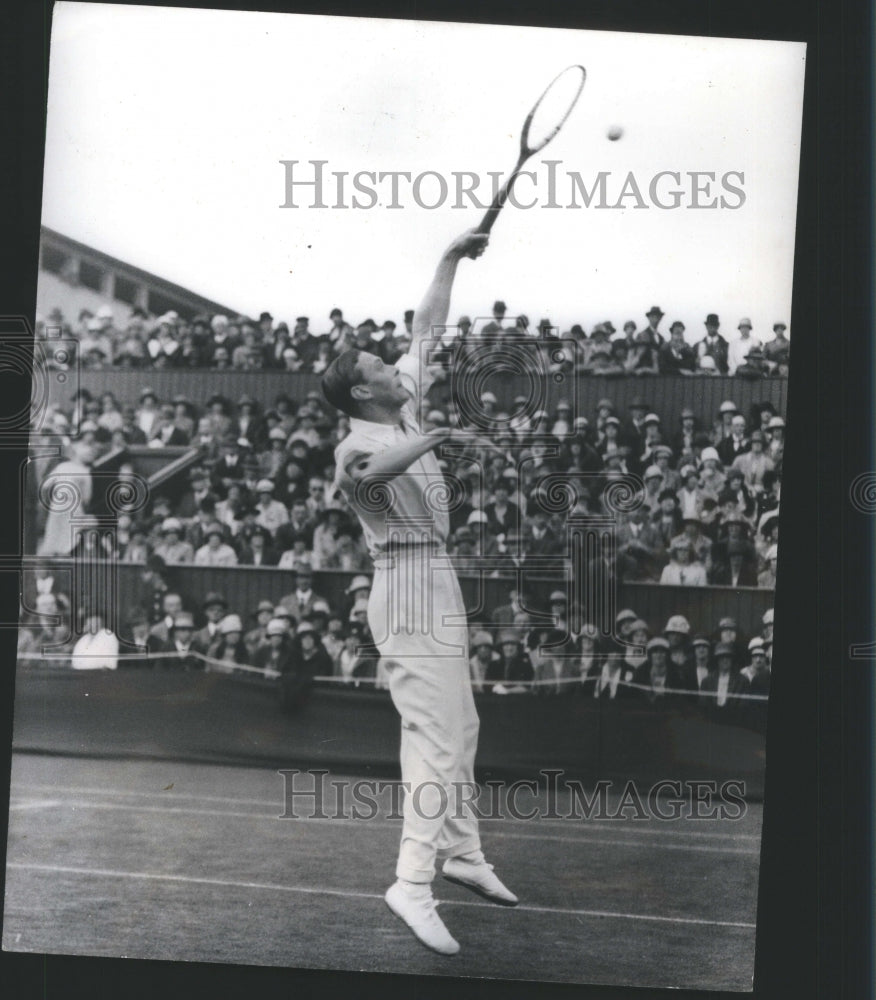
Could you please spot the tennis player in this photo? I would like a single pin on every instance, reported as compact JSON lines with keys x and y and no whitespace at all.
{"x":389,"y":473}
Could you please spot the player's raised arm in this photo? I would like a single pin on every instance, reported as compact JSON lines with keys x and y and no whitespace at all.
{"x":435,"y":307}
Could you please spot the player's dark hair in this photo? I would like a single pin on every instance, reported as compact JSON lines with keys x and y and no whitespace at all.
{"x":339,"y":378}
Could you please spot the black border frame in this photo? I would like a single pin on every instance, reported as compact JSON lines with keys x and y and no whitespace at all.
{"x":815,"y":902}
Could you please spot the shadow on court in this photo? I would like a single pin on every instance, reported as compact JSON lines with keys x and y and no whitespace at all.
{"x":182,"y":861}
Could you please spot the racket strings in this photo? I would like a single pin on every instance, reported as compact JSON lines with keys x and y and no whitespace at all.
{"x":552,"y":109}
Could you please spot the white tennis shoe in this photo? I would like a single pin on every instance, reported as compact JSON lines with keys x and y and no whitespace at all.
{"x":479,"y":877}
{"x":418,"y":912}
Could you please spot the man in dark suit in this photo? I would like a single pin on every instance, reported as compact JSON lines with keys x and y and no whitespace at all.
{"x":719,"y":692}
{"x":676,"y":357}
{"x":174,"y":652}
{"x":736,"y":444}
{"x":654,"y":315}
{"x":214,"y":608}
{"x":713,"y":345}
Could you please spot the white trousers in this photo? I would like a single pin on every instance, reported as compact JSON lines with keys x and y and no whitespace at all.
{"x":417,"y":617}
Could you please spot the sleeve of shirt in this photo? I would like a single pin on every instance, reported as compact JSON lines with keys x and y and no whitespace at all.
{"x":345,"y":456}
{"x":415,"y":375}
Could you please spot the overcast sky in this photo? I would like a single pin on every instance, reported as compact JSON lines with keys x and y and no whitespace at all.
{"x":166,"y":129}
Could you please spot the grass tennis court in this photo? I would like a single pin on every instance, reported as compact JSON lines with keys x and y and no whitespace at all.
{"x":182,"y":861}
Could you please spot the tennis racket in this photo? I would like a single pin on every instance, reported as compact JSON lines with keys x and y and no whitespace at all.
{"x":547,"y":117}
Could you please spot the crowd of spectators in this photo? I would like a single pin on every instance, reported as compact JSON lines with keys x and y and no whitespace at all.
{"x":260,"y":492}
{"x":240,"y":344}
{"x":542,"y":650}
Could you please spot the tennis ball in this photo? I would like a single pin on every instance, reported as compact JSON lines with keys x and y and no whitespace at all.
{"x":615,"y":132}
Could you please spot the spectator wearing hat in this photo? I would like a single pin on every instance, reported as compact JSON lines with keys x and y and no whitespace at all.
{"x":644,"y":353}
{"x":734,"y":483}
{"x":610,"y":441}
{"x":270,"y":513}
{"x":170,"y":430}
{"x":350,"y":555}
{"x":273,"y":460}
{"x":503,"y":515}
{"x":314,"y":658}
{"x":510,"y":669}
{"x":683,"y":570}
{"x":656,"y":681}
{"x":683,"y":440}
{"x":300,"y":601}
{"x":736,"y":443}
{"x":661,"y":456}
{"x":754,"y":463}
{"x":176,"y":651}
{"x":713,"y":345}
{"x":553,"y":668}
{"x":148,"y":412}
{"x":257,"y":548}
{"x":719,"y":692}
{"x":728,"y":633}
{"x":767,"y":535}
{"x":229,"y":467}
{"x":711,"y":473}
{"x":222,"y":336}
{"x":633,"y":433}
{"x":757,"y":672}
{"x":702,"y":660}
{"x":173,"y":549}
{"x":701,"y":545}
{"x":333,"y":640}
{"x":236,"y":509}
{"x":650,"y":442}
{"x":330,"y":523}
{"x":767,"y":578}
{"x":641,"y":551}
{"x":598,"y":357}
{"x":681,"y":657}
{"x":214,"y":607}
{"x":676,"y":357}
{"x":482,"y":657}
{"x":653,"y":478}
{"x":666,"y":519}
{"x":723,"y":425}
{"x":654,"y":315}
{"x":256,"y":637}
{"x":60,"y":536}
{"x":777,"y":351}
{"x":304,"y":343}
{"x":215,"y":551}
{"x":754,"y":366}
{"x":275,"y":656}
{"x":301,"y":521}
{"x":776,"y":446}
{"x":739,"y":347}
{"x":298,"y":553}
{"x":621,"y":669}
{"x":249,"y":424}
{"x":227,"y":646}
{"x":163,"y":346}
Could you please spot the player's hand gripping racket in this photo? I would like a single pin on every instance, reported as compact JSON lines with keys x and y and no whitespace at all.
{"x":548,"y":115}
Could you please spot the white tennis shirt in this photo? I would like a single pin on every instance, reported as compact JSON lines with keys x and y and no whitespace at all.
{"x":411,"y":508}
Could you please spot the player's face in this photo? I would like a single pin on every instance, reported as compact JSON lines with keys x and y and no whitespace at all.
{"x":382,"y":380}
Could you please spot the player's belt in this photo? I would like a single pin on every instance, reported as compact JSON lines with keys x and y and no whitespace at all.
{"x":394,"y":547}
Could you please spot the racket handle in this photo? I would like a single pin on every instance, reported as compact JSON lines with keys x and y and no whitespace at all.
{"x":492,"y":213}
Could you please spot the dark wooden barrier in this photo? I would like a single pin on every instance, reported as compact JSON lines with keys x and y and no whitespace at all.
{"x":245,"y":586}
{"x":140,"y":713}
{"x":666,"y":395}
